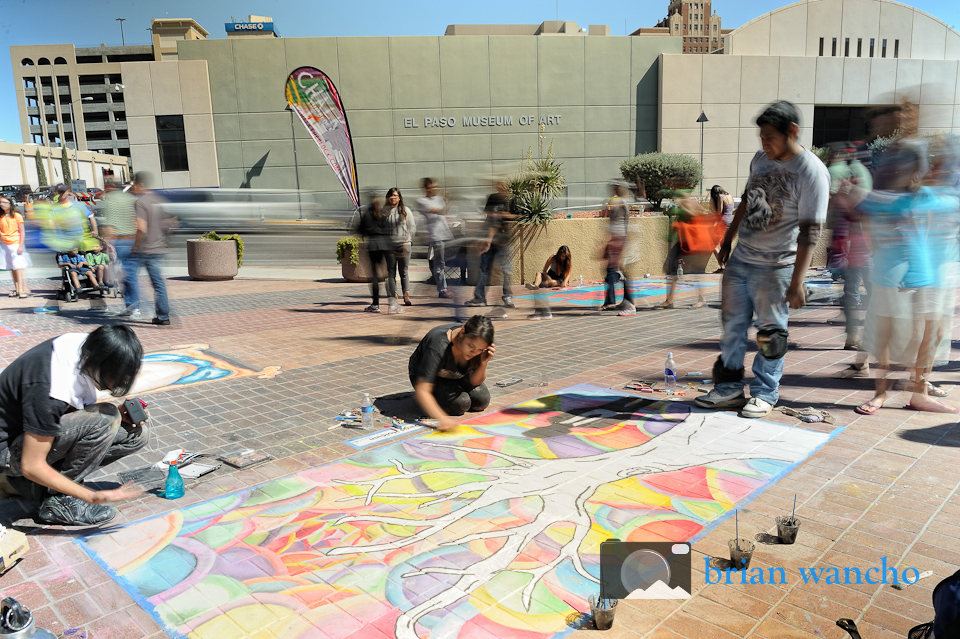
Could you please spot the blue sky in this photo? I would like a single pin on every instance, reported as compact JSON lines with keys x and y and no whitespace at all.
{"x":92,"y":22}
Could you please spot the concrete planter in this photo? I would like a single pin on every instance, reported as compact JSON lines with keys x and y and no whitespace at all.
{"x":360,"y":272}
{"x":212,"y":260}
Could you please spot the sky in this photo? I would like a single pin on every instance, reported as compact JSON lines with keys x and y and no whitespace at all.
{"x":92,"y":22}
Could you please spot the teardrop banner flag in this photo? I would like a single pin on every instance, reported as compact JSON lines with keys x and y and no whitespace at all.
{"x":312,"y":96}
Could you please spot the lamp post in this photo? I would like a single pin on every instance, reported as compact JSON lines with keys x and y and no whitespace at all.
{"x":701,"y":120}
{"x":122,"y":41}
{"x":73,"y":121}
{"x":296,"y":165}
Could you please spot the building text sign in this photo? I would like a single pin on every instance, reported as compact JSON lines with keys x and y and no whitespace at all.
{"x":480,"y":121}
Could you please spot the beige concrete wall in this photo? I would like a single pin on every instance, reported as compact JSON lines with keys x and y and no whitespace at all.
{"x":733,"y":90}
{"x":796,"y":30}
{"x":178,"y":87}
{"x":646,"y":249}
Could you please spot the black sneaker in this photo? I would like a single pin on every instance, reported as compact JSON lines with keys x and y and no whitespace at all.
{"x":508,"y":302}
{"x":160,"y":322}
{"x":70,"y":511}
{"x":476,"y":302}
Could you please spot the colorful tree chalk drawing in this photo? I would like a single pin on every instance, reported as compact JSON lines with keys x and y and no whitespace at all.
{"x":490,"y":531}
{"x":591,"y":294}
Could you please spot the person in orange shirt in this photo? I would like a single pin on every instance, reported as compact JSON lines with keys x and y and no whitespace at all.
{"x":13,"y":254}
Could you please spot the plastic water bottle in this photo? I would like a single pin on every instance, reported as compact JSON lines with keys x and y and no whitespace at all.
{"x":366,"y":411}
{"x":680,"y":269}
{"x":580,"y":285}
{"x":670,"y":373}
{"x":173,"y":489}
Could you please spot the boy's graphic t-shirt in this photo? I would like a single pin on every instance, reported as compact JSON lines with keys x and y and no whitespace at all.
{"x":779,"y":196}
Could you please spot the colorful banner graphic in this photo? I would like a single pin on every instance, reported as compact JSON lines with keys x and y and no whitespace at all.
{"x":490,"y":531}
{"x":312,"y":96}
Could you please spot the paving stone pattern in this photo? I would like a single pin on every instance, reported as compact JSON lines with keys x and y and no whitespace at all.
{"x":885,"y":487}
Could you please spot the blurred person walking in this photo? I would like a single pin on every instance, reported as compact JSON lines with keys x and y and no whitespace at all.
{"x":378,"y":228}
{"x":619,"y":214}
{"x":405,"y":229}
{"x":697,"y":232}
{"x":722,"y":206}
{"x":779,"y":221}
{"x":496,"y":247}
{"x":434,"y":210}
{"x":118,"y":209}
{"x":149,"y":247}
{"x":13,"y":252}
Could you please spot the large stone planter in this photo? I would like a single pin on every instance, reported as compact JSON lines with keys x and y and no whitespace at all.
{"x":360,"y":272}
{"x":212,"y":260}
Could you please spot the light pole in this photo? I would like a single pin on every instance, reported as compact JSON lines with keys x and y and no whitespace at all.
{"x":701,"y":120}
{"x":296,"y":165}
{"x":73,"y":122}
{"x":122,"y":41}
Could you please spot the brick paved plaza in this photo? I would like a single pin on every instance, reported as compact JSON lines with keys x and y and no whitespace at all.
{"x":885,"y":486}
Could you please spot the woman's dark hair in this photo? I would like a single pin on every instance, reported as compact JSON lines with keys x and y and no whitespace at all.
{"x":780,"y":115}
{"x":427,"y":183}
{"x":563,"y":261}
{"x":374,"y":206}
{"x":13,"y":206}
{"x":715,"y":193}
{"x":111,"y":355}
{"x":479,"y":327}
{"x":401,"y":209}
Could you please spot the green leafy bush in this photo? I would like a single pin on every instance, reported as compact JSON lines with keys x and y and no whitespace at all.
{"x":351,"y":246}
{"x":661,"y":173}
{"x":821,"y":152}
{"x":212,"y":236}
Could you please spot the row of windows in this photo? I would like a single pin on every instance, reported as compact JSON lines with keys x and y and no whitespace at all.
{"x":27,"y":62}
{"x":846,"y":48}
{"x":696,"y":27}
{"x":698,"y":40}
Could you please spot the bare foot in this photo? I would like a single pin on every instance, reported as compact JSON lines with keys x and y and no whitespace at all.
{"x":931,"y":405}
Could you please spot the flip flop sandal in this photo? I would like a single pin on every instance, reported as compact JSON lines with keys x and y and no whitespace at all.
{"x":935,"y":391}
{"x":14,"y":294}
{"x":699,"y":305}
{"x":943,"y":408}
{"x":867,"y":408}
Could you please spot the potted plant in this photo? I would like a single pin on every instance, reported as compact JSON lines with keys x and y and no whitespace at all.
{"x":214,"y":257}
{"x":355,"y":261}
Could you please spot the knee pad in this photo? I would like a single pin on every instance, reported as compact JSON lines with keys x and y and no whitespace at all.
{"x":772,"y":342}
{"x":722,"y":374}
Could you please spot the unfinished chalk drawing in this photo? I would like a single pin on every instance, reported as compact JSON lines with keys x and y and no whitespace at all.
{"x":189,"y":364}
{"x":592,"y":294}
{"x":490,"y":531}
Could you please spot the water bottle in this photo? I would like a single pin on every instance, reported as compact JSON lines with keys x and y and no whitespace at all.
{"x":580,"y":285}
{"x":670,"y":373}
{"x":680,"y":269}
{"x":366,"y":411}
{"x":173,"y":489}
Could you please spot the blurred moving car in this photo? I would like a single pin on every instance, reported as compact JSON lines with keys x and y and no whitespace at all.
{"x":17,"y":192}
{"x":226,"y":209}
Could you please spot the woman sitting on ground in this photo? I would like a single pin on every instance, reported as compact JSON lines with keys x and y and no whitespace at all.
{"x":448,"y":368}
{"x":556,"y":270}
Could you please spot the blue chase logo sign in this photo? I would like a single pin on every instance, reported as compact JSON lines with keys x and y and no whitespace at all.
{"x":249,"y":26}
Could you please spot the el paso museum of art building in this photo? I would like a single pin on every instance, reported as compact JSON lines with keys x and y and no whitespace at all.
{"x":466,"y":105}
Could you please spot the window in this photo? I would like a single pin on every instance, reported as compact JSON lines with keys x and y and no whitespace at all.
{"x":859,"y":47}
{"x":59,"y":61}
{"x":883,"y":48}
{"x":846,"y":47}
{"x":26,"y":62}
{"x":43,"y":61}
{"x":173,"y":143}
{"x":896,"y":48}
{"x":696,"y":27}
{"x":676,"y":27}
{"x":871,"y":47}
{"x":834,"y":47}
{"x":714,"y":28}
{"x":821,"y":47}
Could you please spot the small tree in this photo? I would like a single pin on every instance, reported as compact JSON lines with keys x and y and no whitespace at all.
{"x":65,"y":165}
{"x":41,"y":172}
{"x":660,"y":172}
{"x":533,"y":189}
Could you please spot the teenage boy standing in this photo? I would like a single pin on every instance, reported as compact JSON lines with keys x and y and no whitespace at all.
{"x":779,"y":221}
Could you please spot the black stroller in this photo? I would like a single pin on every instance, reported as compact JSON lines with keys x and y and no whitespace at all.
{"x":70,"y":293}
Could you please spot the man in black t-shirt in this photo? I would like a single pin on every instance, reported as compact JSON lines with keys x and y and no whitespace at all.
{"x":53,"y":433}
{"x":496,"y":246}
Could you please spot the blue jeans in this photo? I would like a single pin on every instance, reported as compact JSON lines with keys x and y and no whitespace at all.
{"x":439,"y":265}
{"x":503,"y":256}
{"x":131,"y":289}
{"x":154,"y":264}
{"x":749,"y":289}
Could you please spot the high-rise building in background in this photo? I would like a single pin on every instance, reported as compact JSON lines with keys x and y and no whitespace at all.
{"x":693,"y":21}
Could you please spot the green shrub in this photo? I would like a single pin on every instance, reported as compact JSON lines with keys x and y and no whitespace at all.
{"x":349,"y":245}
{"x":212,"y":236}
{"x":661,"y":173}
{"x":821,"y":152}
{"x":534,"y":187}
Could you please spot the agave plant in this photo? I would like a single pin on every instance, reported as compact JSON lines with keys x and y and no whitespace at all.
{"x":533,"y":189}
